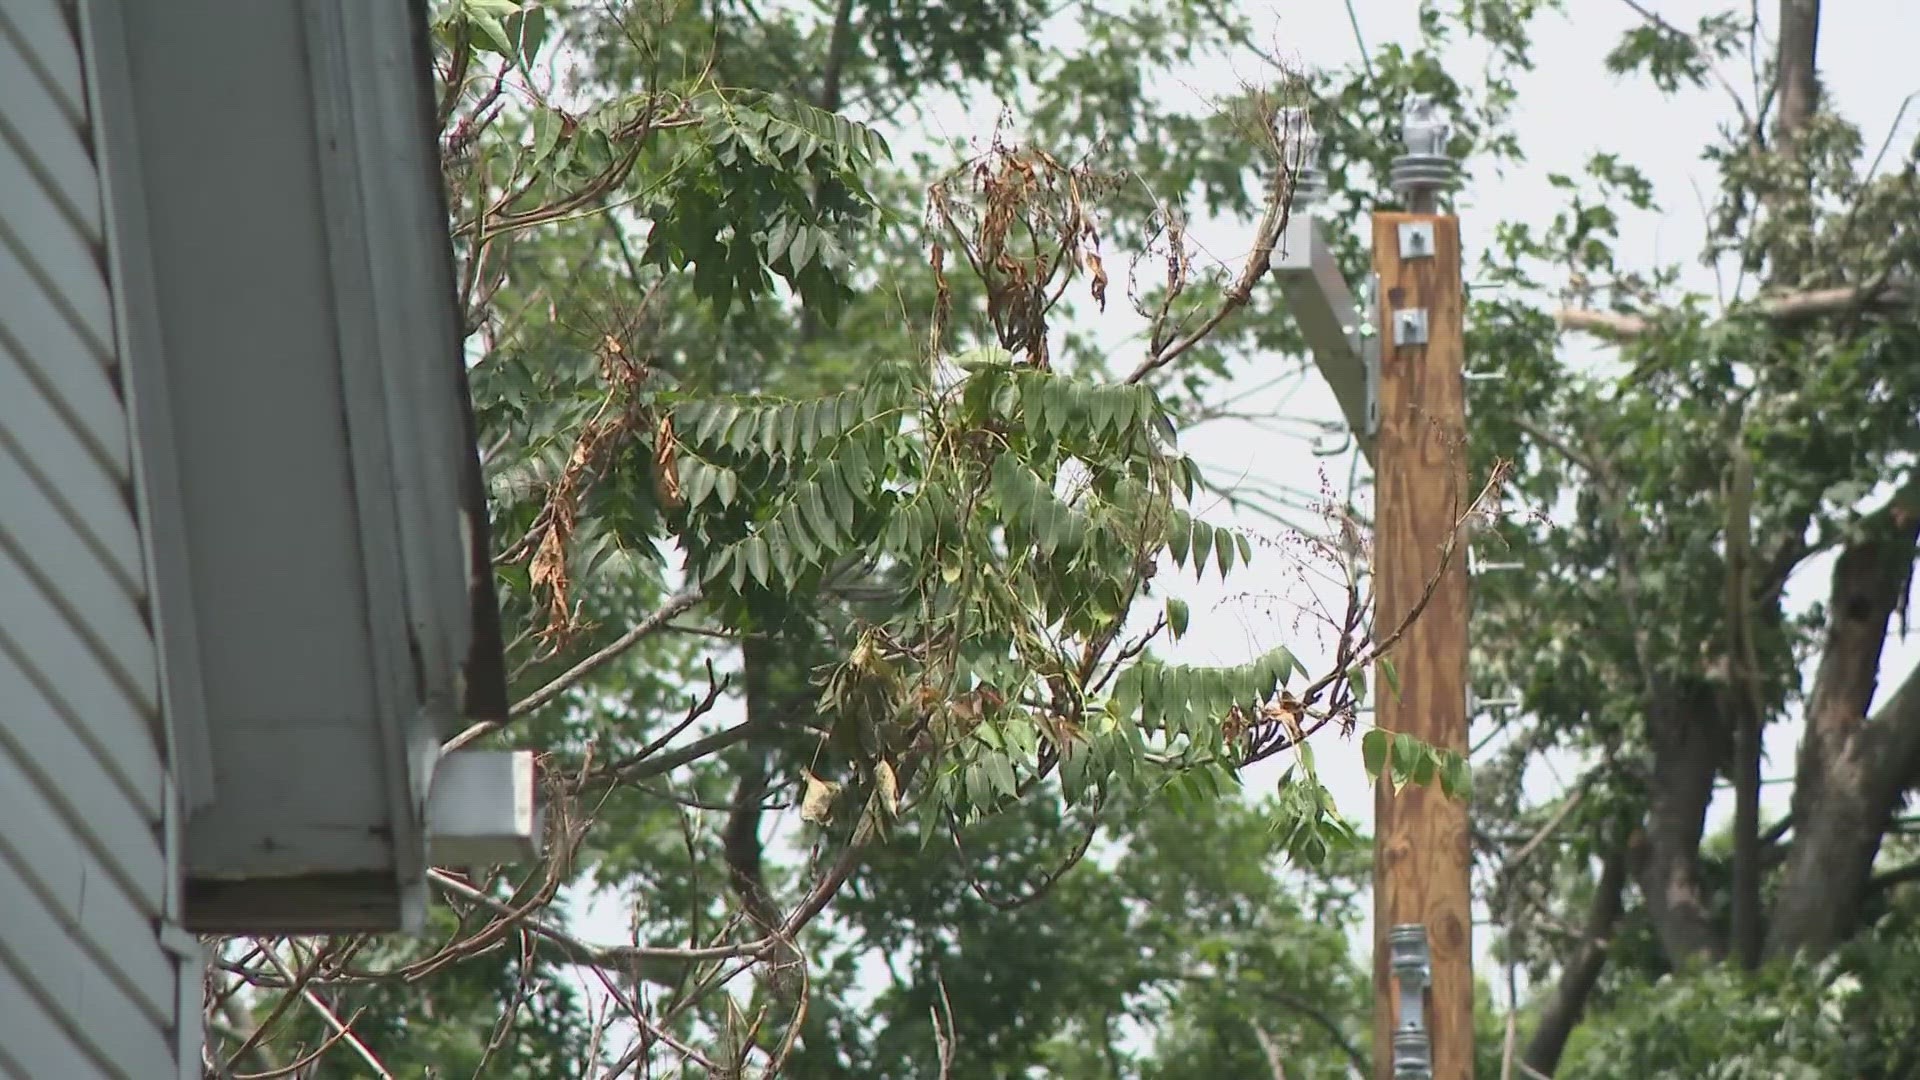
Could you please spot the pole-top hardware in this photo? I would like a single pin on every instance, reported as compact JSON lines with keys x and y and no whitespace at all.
{"x":1425,"y":169}
{"x":1300,"y":155}
{"x":1477,"y":566}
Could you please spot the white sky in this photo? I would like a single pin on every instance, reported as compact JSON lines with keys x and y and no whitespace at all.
{"x":1569,"y":108}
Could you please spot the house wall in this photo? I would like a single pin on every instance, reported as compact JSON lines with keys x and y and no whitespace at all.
{"x":93,"y":980}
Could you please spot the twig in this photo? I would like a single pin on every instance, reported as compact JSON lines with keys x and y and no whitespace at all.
{"x":1270,"y":1048}
{"x":582,"y":952}
{"x":675,"y":605}
{"x":1739,"y":103}
{"x":341,"y":1029}
{"x":1560,"y":815}
{"x":288,"y":1070}
{"x":1273,"y":222}
{"x":943,"y":1031}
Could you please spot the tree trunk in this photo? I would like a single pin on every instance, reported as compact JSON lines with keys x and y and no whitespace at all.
{"x":1799,"y":80}
{"x":1689,"y":744}
{"x":740,"y":838}
{"x":1577,"y":980}
{"x":1850,"y":773}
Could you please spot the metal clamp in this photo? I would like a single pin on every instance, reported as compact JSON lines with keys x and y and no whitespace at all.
{"x":1416,"y":240}
{"x":1364,"y":336}
{"x":1413,"y":970}
{"x":1410,"y":326}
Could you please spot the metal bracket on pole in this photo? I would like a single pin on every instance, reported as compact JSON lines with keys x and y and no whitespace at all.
{"x":1477,"y":566}
{"x":1412,"y":969}
{"x":1341,"y":336}
{"x":1410,"y":326}
{"x":1363,"y":337}
{"x":1416,"y":240}
{"x":1477,"y":704}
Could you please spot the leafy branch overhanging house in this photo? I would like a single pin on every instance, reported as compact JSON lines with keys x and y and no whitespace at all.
{"x":244,"y":578}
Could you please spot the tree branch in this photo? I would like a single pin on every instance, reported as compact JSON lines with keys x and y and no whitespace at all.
{"x":1899,"y":875}
{"x":674,"y":606}
{"x":1784,"y":308}
{"x":1851,"y":771}
{"x":1273,"y":222}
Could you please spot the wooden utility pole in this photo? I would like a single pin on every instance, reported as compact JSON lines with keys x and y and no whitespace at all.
{"x":1402,"y":388}
{"x":1421,"y":849}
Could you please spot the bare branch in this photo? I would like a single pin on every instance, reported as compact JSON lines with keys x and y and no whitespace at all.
{"x":674,"y":606}
{"x":1273,"y":222}
{"x":1784,"y":308}
{"x":340,"y":1028}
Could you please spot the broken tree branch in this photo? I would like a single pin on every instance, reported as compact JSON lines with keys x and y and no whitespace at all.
{"x":1783,"y":308}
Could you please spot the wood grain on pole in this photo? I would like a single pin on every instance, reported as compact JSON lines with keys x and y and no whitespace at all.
{"x":1421,"y":848}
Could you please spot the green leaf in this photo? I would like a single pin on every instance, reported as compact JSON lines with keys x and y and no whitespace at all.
{"x":1455,"y":779}
{"x":1374,"y":746}
{"x":814,"y":506}
{"x":792,"y":524}
{"x":1407,"y":752}
{"x":547,"y":126}
{"x":741,"y":430}
{"x":757,"y":558}
{"x":1177,"y":616}
{"x":1124,"y":702}
{"x":1000,"y":771}
{"x":705,"y":477}
{"x":714,"y":422}
{"x":841,"y":502}
{"x":493,"y":32}
{"x":809,"y":425}
{"x":1179,"y":535}
{"x":789,"y":424}
{"x":1425,"y":766}
{"x":1202,"y":544}
{"x":1223,"y":550}
{"x":726,"y":484}
{"x":1105,"y":409}
{"x":1389,"y":674}
{"x":1357,"y":682}
{"x":806,"y":241}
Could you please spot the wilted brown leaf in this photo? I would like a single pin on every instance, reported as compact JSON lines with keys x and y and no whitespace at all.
{"x":816,"y":801}
{"x":666,"y":471}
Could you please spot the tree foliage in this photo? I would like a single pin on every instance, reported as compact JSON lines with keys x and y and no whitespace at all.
{"x":830,"y":542}
{"x":805,"y":500}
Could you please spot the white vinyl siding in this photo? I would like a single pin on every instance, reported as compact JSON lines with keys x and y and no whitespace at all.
{"x":86,"y":988}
